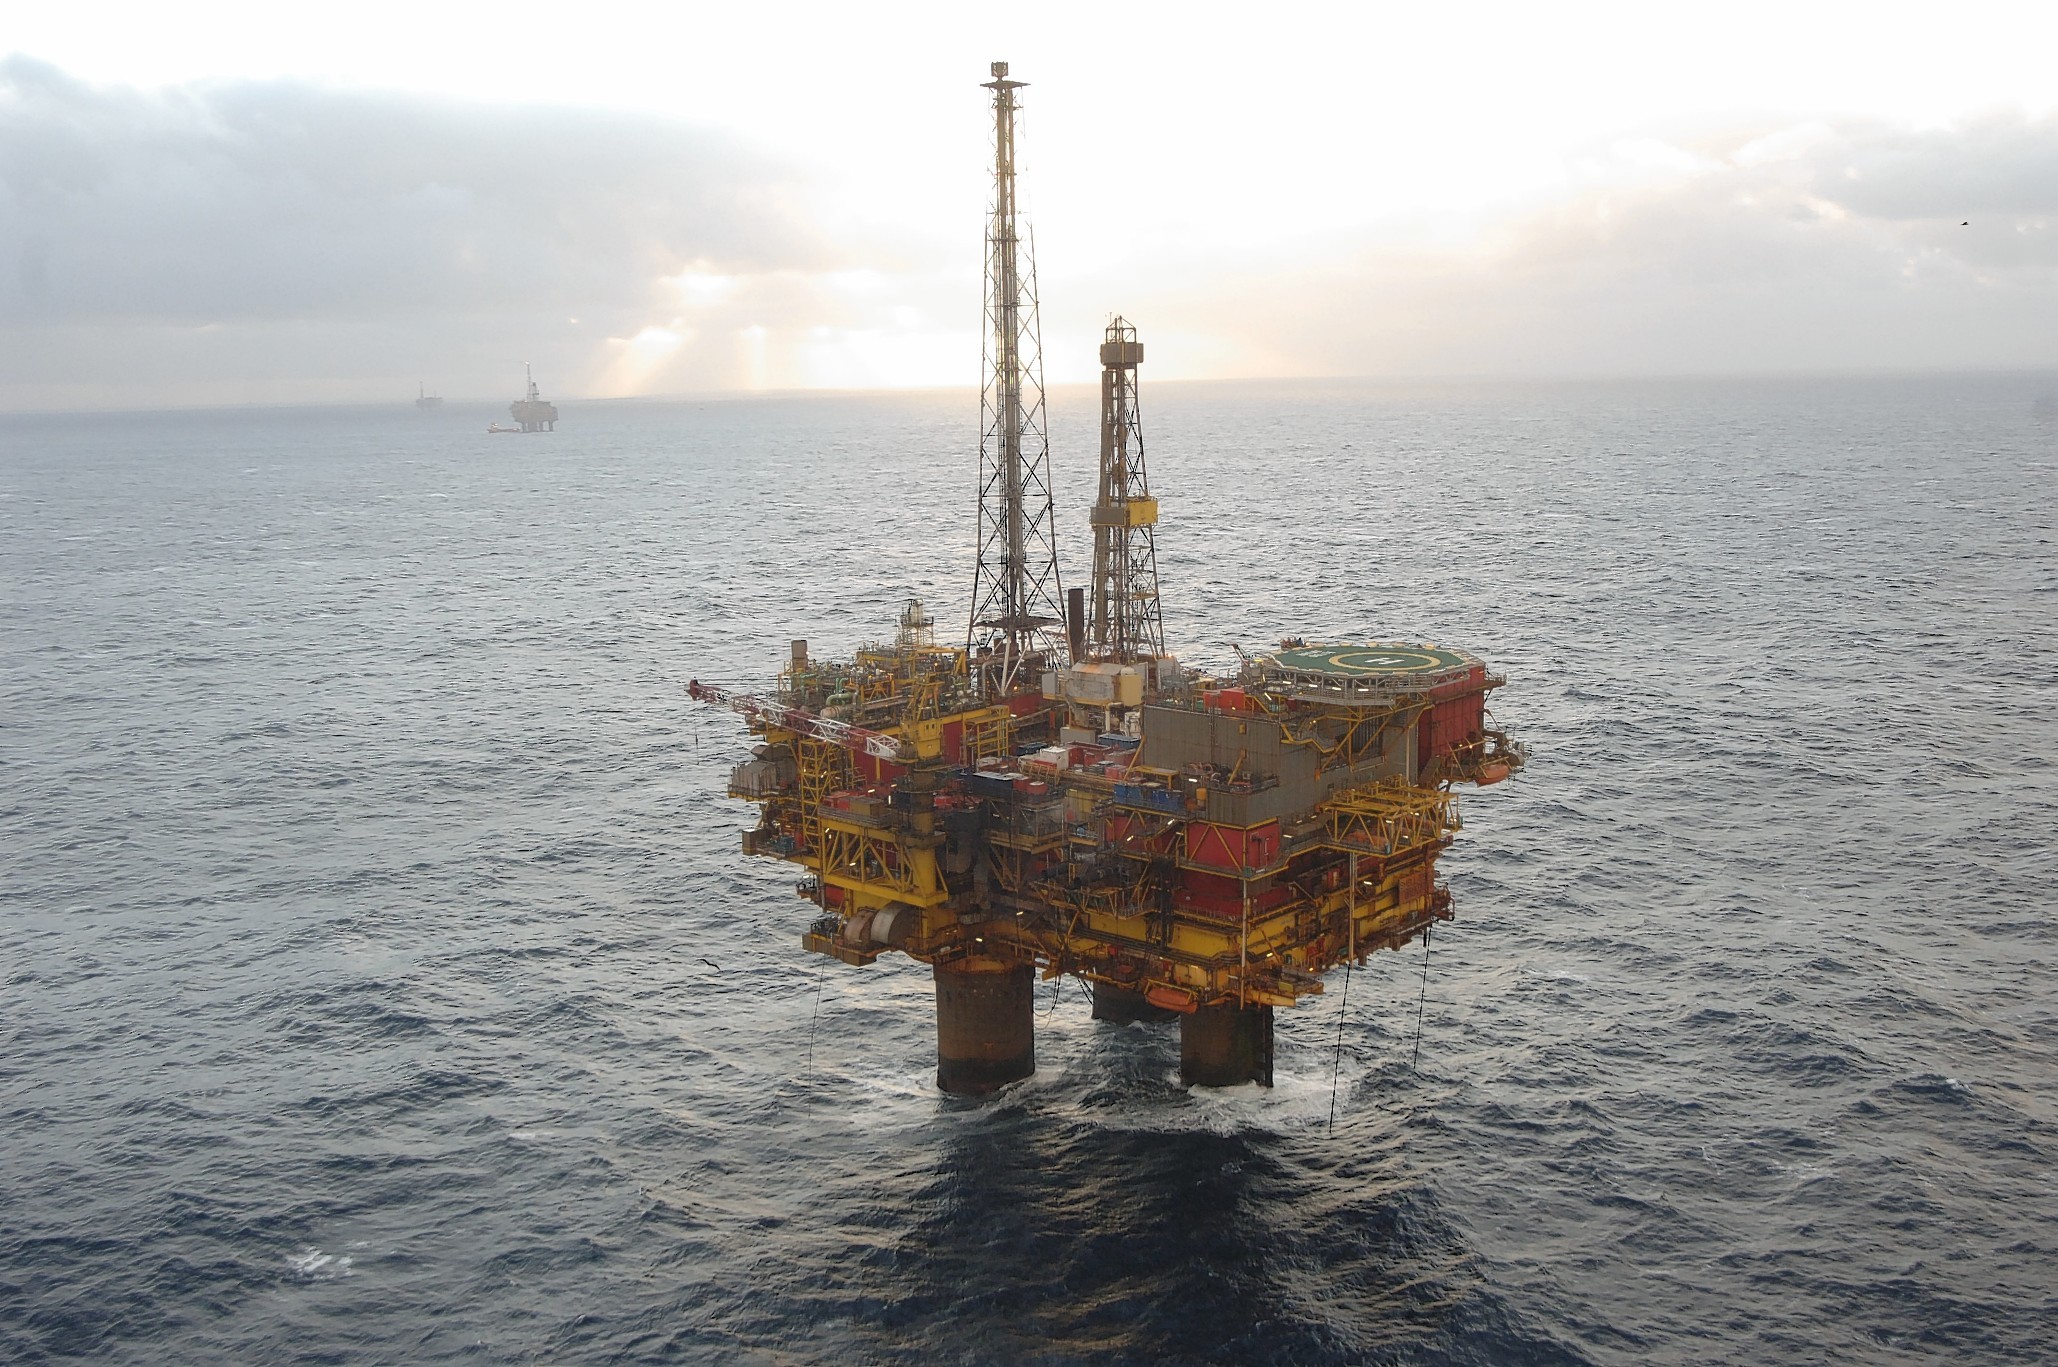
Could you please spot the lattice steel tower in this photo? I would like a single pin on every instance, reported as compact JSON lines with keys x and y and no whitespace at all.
{"x":1126,"y":623}
{"x":1016,"y":593}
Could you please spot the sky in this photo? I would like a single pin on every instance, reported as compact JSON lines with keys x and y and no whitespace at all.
{"x":225,"y":203}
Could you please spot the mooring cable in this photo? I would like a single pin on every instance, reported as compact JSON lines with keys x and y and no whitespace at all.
{"x":1336,"y":1069}
{"x":1422,"y":1001}
{"x":807,"y":1077}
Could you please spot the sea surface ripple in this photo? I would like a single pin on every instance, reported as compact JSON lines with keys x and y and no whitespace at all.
{"x":381,"y":980}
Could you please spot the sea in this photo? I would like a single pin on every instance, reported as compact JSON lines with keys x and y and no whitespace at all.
{"x":381,"y":979}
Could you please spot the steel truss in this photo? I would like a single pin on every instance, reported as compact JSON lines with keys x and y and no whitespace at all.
{"x":1016,"y":592}
{"x":1126,"y":622}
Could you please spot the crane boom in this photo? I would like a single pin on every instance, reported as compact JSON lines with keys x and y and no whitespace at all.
{"x":801,"y":722}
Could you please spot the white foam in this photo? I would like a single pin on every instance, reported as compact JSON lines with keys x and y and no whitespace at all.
{"x":318,"y":1266}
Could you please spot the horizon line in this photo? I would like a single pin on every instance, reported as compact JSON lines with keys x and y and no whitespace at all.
{"x":2047,"y":370}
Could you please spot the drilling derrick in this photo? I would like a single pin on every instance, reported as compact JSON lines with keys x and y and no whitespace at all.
{"x":1118,"y":642}
{"x":1199,"y":848}
{"x":1127,"y":627}
{"x":1016,"y":591}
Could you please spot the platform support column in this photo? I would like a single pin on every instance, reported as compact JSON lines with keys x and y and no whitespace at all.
{"x":1224,"y":1046}
{"x":1122,"y":1006}
{"x":985,"y":1025}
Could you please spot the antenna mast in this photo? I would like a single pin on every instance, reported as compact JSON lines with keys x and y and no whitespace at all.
{"x":1127,"y":625}
{"x":1016,"y":592}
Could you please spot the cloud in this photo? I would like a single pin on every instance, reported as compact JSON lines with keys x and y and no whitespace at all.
{"x":268,"y":240}
{"x":1996,"y":166}
{"x":1812,"y":246}
{"x":279,"y":200}
{"x":278,"y":241}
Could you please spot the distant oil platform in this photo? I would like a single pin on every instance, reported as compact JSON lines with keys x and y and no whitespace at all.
{"x":424,"y":400}
{"x":1058,"y":795}
{"x":530,"y":412}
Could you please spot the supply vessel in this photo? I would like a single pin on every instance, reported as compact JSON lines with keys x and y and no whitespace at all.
{"x":1056,"y":794}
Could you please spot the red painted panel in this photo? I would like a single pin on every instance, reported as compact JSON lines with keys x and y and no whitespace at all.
{"x":1209,"y":894}
{"x":1219,"y":896}
{"x":1232,"y":847}
{"x":1022,"y":704}
{"x":1262,"y":846}
{"x":1218,"y":846}
{"x":1450,"y":724}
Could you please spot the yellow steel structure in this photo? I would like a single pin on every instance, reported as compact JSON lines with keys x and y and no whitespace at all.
{"x":1022,"y":804}
{"x":1128,"y":878}
{"x":1387,"y":819}
{"x":877,"y":866}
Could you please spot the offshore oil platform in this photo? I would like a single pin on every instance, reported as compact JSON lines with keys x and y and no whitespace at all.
{"x":532,"y":412}
{"x":1058,"y":795}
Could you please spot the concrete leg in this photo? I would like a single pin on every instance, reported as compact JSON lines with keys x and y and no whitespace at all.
{"x":985,"y":1025}
{"x":1222,"y":1046}
{"x":1120,"y":1005}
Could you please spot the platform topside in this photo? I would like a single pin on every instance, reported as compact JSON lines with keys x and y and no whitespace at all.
{"x":1371,"y":668}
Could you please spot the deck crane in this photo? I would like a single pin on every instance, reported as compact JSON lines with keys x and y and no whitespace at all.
{"x":801,"y":722}
{"x":886,"y":869}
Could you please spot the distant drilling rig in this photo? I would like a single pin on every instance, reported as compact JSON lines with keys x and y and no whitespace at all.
{"x":532,"y":412}
{"x":1058,"y":796}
